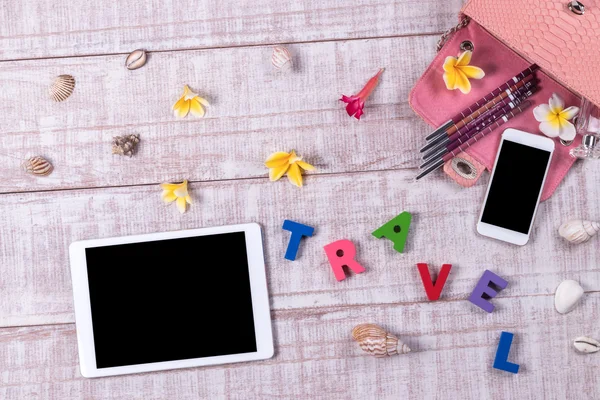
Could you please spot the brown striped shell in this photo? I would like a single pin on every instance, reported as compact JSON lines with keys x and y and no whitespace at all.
{"x":38,"y":166}
{"x":374,"y":340}
{"x":62,"y":87}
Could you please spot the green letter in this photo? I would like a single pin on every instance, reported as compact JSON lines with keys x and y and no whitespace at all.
{"x":395,"y":230}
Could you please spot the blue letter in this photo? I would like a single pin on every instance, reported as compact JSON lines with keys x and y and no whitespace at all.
{"x":298,"y":230}
{"x":501,"y":361}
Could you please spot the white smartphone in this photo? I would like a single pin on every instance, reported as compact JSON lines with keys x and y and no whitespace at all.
{"x":515,"y":187}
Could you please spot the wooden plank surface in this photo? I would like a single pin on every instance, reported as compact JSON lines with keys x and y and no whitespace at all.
{"x":256,"y":110}
{"x":37,"y":229}
{"x":38,"y":29}
{"x":453,"y":345}
{"x":364,"y":177}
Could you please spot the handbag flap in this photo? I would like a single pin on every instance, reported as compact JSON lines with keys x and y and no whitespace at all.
{"x":549,"y":34}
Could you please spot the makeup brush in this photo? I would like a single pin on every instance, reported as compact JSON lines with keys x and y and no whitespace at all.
{"x":465,"y":137}
{"x":481,"y":111}
{"x":448,"y":156}
{"x":481,"y":102}
{"x":469,"y":130}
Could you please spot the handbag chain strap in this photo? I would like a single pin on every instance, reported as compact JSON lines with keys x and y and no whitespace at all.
{"x":464,"y":20}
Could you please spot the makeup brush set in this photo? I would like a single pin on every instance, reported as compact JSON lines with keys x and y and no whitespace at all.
{"x":478,"y":120}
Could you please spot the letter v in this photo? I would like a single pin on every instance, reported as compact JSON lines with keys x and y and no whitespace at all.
{"x":434,"y":290}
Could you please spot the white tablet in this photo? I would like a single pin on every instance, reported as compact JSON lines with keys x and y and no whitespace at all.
{"x":171,"y":300}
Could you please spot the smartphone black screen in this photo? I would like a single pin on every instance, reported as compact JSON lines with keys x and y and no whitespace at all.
{"x":171,"y":300}
{"x":516,"y":186}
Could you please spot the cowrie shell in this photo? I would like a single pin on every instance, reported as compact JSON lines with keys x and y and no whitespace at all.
{"x":136,"y":59}
{"x":586,"y":345}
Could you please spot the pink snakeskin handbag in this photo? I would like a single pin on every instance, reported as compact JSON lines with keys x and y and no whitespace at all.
{"x":508,"y":36}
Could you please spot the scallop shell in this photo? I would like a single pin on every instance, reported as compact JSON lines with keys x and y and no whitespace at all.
{"x":567,"y":295}
{"x":586,"y":345}
{"x":578,"y":231}
{"x":62,"y":87}
{"x":374,"y":340}
{"x":136,"y":59}
{"x":281,"y":58}
{"x":38,"y":166}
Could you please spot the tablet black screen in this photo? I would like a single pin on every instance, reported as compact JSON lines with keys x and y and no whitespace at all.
{"x":170,"y":300}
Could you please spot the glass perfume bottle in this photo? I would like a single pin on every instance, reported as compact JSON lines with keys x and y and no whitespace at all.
{"x":587,"y":123}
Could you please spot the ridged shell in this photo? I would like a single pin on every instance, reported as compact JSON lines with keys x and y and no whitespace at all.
{"x":136,"y":59}
{"x":125,"y":145}
{"x":567,"y":295}
{"x":281,"y":58}
{"x":374,"y":340}
{"x":38,"y":166}
{"x":578,"y":231}
{"x":586,"y":345}
{"x":62,"y":87}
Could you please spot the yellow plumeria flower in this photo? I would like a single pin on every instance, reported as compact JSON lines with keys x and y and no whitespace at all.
{"x":189,"y":102}
{"x":554,"y":118}
{"x":281,"y":162}
{"x":457,"y":72}
{"x":177,"y":192}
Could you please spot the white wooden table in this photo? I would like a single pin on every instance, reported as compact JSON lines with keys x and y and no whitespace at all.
{"x":365,"y":177}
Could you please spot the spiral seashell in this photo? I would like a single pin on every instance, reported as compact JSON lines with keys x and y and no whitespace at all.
{"x":62,"y":87}
{"x":374,"y":340}
{"x":578,"y":231}
{"x":281,"y":58}
{"x":38,"y":166}
{"x":136,"y":59}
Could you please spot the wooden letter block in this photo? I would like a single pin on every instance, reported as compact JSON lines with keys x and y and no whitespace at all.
{"x":298,"y":230}
{"x":395,"y":230}
{"x":501,"y":360}
{"x":483,"y":287}
{"x":434,"y":290}
{"x":341,"y":254}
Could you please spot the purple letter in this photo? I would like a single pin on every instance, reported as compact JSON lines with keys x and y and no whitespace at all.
{"x":483,"y":287}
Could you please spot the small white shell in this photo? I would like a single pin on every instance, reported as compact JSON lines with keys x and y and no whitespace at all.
{"x":281,"y":58}
{"x":374,"y":340}
{"x":586,"y":345}
{"x":567,"y":295}
{"x":38,"y":166}
{"x":136,"y":59}
{"x":578,"y":231}
{"x":62,"y":87}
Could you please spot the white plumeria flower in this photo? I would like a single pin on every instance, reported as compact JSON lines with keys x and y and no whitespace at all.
{"x":554,"y":118}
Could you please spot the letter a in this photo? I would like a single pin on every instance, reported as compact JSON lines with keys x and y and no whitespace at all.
{"x":341,"y":254}
{"x":395,"y":230}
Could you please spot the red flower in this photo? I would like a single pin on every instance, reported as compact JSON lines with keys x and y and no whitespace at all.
{"x":356,"y":103}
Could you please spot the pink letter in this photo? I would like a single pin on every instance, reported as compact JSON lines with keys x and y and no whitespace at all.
{"x":341,"y":254}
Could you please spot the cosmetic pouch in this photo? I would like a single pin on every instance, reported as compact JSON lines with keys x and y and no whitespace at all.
{"x":519,"y":33}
